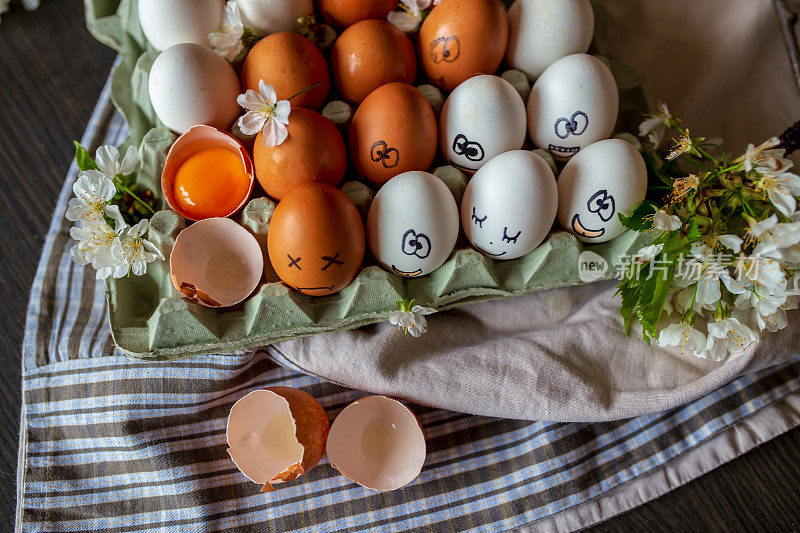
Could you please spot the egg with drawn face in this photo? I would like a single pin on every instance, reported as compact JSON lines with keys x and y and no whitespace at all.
{"x":573,"y":104}
{"x":412,"y":225}
{"x":509,"y":205}
{"x":603,"y":180}
{"x":483,"y":117}
{"x":315,"y":239}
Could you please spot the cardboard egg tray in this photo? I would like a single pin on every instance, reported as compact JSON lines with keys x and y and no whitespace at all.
{"x":151,"y":320}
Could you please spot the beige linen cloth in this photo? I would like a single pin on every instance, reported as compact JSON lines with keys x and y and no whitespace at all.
{"x":561,"y":355}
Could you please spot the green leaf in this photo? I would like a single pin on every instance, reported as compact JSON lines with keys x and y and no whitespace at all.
{"x":693,"y":235}
{"x":654,"y":295}
{"x":83,"y":159}
{"x":639,"y":219}
{"x":630,"y":299}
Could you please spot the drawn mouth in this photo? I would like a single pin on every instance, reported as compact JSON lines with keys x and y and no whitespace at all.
{"x":563,"y":151}
{"x":484,"y":252}
{"x":329,"y":288}
{"x":412,"y":274}
{"x":583,"y":231}
{"x":463,"y":168}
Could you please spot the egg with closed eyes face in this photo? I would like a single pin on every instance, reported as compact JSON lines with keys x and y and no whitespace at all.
{"x":483,"y":117}
{"x":603,"y":180}
{"x":573,"y":104}
{"x":412,"y":225}
{"x":509,"y":205}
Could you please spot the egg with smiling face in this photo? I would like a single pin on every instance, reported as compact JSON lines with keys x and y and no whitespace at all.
{"x":573,"y":104}
{"x":605,"y":179}
{"x":412,"y":225}
{"x":509,"y":205}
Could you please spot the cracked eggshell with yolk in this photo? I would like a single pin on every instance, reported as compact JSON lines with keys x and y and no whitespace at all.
{"x":316,"y":239}
{"x":509,"y":205}
{"x":276,"y":434}
{"x":573,"y":104}
{"x":216,"y":262}
{"x":483,"y":117}
{"x":603,"y":180}
{"x":412,"y":225}
{"x":378,"y":443}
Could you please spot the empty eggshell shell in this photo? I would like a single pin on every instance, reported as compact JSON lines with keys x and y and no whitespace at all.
{"x":378,"y":443}
{"x":195,"y":140}
{"x":275,"y":435}
{"x":216,"y":262}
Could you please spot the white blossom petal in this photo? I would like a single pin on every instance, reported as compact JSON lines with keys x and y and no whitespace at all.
{"x":732,"y":242}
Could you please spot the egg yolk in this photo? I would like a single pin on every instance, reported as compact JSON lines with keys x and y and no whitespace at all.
{"x":211,"y":183}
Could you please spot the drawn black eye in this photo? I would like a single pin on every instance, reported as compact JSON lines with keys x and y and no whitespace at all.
{"x":329,"y":261}
{"x":603,"y":204}
{"x":445,"y":49}
{"x":294,"y":262}
{"x":506,"y":237}
{"x":478,"y":221}
{"x":382,"y":153}
{"x":574,"y":125}
{"x":416,"y":244}
{"x":472,"y":150}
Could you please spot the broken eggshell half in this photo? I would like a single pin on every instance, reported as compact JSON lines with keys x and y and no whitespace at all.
{"x":198,"y":139}
{"x":276,"y":434}
{"x":378,"y":443}
{"x":216,"y":262}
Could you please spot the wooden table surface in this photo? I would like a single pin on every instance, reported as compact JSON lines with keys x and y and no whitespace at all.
{"x":51,"y":74}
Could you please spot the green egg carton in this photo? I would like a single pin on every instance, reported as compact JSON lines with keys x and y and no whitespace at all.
{"x":151,"y":320}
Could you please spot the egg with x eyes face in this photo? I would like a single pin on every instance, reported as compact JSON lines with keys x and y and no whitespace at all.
{"x":412,"y":225}
{"x":603,"y":180}
{"x":509,"y":205}
{"x":316,"y":239}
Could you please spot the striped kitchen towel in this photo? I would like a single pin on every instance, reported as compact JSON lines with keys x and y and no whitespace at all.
{"x":114,"y":444}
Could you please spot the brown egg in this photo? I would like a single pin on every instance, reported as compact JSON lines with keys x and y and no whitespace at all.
{"x":315,"y":239}
{"x":344,"y":13}
{"x":313,"y":151}
{"x":369,"y":54}
{"x":290,"y":63}
{"x":462,"y":38}
{"x":393,"y":131}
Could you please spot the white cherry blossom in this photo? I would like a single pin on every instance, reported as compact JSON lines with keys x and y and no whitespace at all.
{"x":108,"y":162}
{"x":227,"y":41}
{"x":727,"y":336}
{"x":682,"y":335}
{"x":265,"y":113}
{"x":133,"y":252}
{"x":411,"y":321}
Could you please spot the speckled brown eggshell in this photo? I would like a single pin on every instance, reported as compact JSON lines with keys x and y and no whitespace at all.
{"x":393,"y":131}
{"x":290,"y":63}
{"x":313,"y":151}
{"x":462,"y":38}
{"x":316,"y":239}
{"x":369,"y":54}
{"x":345,"y":13}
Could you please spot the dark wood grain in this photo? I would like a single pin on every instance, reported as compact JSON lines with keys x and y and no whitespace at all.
{"x":51,"y":74}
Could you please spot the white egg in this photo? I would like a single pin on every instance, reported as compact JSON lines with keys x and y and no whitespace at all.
{"x":412,"y":225}
{"x":483,"y":117}
{"x":573,"y":104}
{"x":271,"y":16}
{"x":510,"y":205}
{"x":169,"y":22}
{"x":543,"y":31}
{"x":603,"y":180}
{"x":190,"y":85}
